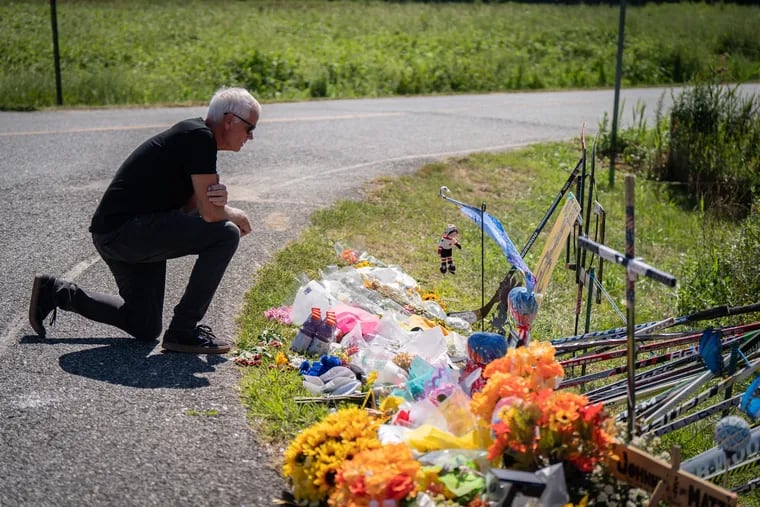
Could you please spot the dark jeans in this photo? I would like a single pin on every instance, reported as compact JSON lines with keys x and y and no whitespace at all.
{"x":136,"y":253}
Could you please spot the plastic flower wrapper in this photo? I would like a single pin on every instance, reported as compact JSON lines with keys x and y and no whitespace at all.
{"x":429,"y":344}
{"x":424,"y":378}
{"x":384,"y":476}
{"x":315,"y":455}
{"x":454,"y":405}
{"x":458,"y":475}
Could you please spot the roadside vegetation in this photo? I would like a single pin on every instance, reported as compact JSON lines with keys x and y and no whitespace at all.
{"x":121,"y":52}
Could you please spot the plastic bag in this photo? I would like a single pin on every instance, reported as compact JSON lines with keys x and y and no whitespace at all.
{"x":311,"y":295}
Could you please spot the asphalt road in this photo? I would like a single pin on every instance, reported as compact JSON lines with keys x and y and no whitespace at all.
{"x":91,"y":417}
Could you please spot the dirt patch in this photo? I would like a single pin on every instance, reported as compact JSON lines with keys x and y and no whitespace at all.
{"x":277,"y":221}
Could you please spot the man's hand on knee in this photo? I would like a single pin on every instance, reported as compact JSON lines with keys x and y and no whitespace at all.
{"x":239,"y":218}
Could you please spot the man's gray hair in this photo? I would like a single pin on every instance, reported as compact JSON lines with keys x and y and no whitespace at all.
{"x":232,"y":100}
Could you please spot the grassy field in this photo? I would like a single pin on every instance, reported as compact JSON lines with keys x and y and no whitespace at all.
{"x":177,"y":51}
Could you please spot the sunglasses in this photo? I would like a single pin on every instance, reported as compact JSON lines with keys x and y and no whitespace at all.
{"x":250,"y":127}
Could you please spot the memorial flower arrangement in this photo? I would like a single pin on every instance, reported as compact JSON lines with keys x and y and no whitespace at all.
{"x":385,"y":476}
{"x":533,"y":425}
{"x":314,"y":457}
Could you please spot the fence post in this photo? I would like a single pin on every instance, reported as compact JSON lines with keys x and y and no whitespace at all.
{"x":56,"y":54}
{"x":618,"y":76}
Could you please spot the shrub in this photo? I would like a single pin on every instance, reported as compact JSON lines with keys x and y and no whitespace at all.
{"x":726,"y":271}
{"x":267,"y":76}
{"x":705,"y":146}
{"x":713,"y":138}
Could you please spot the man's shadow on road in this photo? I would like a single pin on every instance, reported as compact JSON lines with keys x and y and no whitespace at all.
{"x":128,"y":362}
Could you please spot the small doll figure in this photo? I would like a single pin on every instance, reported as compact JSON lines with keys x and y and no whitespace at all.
{"x":445,"y":245}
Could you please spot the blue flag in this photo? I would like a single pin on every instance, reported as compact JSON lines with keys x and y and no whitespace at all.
{"x":495,"y":230}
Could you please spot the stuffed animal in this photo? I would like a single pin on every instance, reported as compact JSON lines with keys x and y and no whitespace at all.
{"x":445,"y":246}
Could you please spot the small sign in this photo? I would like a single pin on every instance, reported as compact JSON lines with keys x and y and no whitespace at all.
{"x":677,"y":487}
{"x":555,"y":242}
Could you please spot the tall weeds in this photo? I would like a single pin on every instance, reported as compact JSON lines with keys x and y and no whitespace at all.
{"x":713,"y":139}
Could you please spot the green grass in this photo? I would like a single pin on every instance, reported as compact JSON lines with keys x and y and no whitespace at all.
{"x":180,"y":51}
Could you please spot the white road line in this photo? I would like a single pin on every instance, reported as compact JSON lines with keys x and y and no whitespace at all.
{"x":439,"y":155}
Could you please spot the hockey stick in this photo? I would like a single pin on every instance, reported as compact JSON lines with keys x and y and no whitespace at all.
{"x":751,"y":485}
{"x":670,"y":339}
{"x":610,"y":343}
{"x":657,"y":377}
{"x":666,"y":417}
{"x":675,"y":358}
{"x":650,"y":406}
{"x":674,"y":383}
{"x":644,"y":336}
{"x":679,"y":355}
{"x":697,"y":416}
{"x":751,"y":338}
{"x":653,"y":401}
{"x":736,"y":468}
{"x":709,"y":314}
{"x":620,"y":386}
{"x":604,"y":356}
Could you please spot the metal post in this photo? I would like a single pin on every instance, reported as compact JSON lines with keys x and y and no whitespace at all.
{"x":56,"y":54}
{"x":482,"y":263}
{"x":618,"y":76}
{"x":630,"y":299}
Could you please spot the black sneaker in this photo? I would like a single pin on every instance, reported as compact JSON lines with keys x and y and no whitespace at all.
{"x":42,"y":303}
{"x":200,"y":340}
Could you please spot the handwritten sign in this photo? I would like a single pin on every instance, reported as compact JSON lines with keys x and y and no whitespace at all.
{"x":555,"y":242}
{"x":678,"y":487}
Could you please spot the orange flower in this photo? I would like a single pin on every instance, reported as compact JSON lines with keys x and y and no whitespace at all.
{"x":357,"y":487}
{"x":398,"y":487}
{"x":387,"y":473}
{"x":591,"y":412}
{"x":530,"y":421}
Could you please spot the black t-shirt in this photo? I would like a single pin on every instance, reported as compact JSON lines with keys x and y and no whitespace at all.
{"x":156,"y":176}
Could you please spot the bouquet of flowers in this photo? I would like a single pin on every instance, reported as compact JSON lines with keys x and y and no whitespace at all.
{"x":533,"y":425}
{"x":314,"y":457}
{"x":384,"y":476}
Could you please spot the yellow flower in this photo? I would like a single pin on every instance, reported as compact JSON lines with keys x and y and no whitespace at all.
{"x":281,"y":359}
{"x":313,"y":458}
{"x":391,"y":404}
